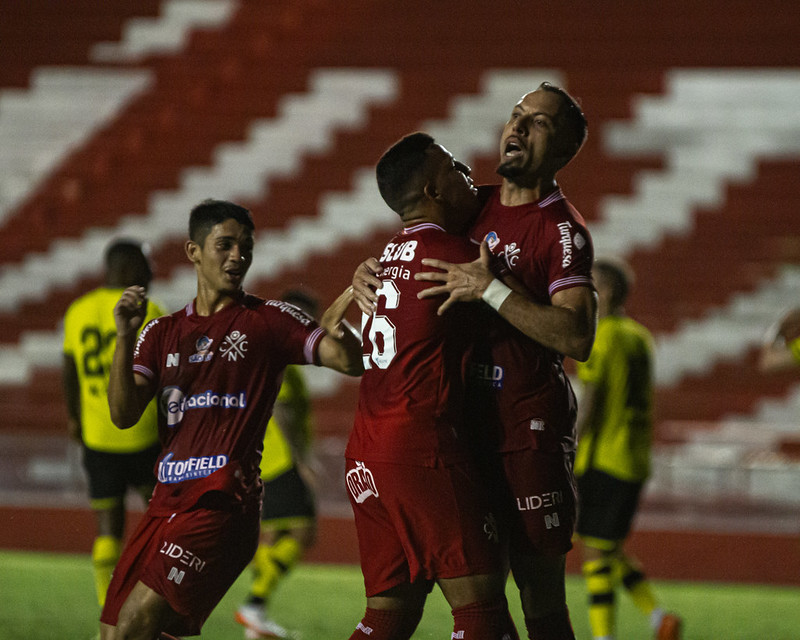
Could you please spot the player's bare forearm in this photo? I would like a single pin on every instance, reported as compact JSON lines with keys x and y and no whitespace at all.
{"x":340,"y":349}
{"x":567,"y":325}
{"x":365,"y":284}
{"x":125,"y":398}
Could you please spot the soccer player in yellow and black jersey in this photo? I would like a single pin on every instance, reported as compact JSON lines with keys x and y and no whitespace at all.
{"x":288,"y":510}
{"x":114,"y":459}
{"x":612,"y":464}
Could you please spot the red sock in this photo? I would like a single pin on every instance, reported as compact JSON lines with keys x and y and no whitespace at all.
{"x":387,"y":624}
{"x":488,"y":620}
{"x":554,"y":626}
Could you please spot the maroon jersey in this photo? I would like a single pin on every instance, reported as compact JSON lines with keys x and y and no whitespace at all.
{"x":547,"y":247}
{"x":410,"y":405}
{"x":215,"y":379}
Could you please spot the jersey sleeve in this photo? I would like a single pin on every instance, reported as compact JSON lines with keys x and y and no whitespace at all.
{"x":145,"y":354}
{"x":571,"y":255}
{"x":300,"y":335}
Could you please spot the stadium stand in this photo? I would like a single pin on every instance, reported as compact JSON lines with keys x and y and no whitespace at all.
{"x":116,"y":122}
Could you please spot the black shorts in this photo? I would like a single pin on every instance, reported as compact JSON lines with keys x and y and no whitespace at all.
{"x":111,"y":474}
{"x":287,"y":496}
{"x":606,"y":505}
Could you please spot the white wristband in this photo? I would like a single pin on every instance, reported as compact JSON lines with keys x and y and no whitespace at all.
{"x":495,"y":294}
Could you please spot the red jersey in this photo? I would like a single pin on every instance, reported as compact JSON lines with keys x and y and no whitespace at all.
{"x":547,"y":247}
{"x":215,"y":379}
{"x":411,"y":398}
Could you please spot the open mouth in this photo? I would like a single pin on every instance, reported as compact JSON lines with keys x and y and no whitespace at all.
{"x":512,"y":148}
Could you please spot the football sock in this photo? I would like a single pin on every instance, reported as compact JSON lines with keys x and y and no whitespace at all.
{"x":600,"y":586}
{"x":487,"y":620}
{"x":636,"y":584}
{"x":387,"y":624}
{"x":270,"y":564}
{"x":105,"y":554}
{"x":555,"y":626}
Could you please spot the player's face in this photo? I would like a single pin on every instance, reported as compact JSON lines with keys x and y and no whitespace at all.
{"x":528,"y":143}
{"x":454,"y":186}
{"x":225,"y":256}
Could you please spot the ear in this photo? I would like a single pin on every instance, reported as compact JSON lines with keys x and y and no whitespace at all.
{"x":192,"y":251}
{"x":430,"y":191}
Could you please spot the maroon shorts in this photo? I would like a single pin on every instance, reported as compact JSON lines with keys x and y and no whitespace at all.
{"x":190,"y":558}
{"x":536,"y":500}
{"x":421,"y":523}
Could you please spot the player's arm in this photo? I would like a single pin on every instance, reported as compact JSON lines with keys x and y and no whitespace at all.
{"x":72,"y":396}
{"x":340,"y":348}
{"x":567,"y":325}
{"x":128,"y":392}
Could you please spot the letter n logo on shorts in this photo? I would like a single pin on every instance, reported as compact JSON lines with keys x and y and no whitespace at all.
{"x":360,"y":483}
{"x":175,"y":575}
{"x":551,"y":521}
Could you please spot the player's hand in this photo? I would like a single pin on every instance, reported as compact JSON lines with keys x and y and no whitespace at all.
{"x":130,"y":311}
{"x":460,"y":282}
{"x":366,"y":283}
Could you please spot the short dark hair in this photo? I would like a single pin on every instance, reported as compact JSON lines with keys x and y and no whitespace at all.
{"x":397,"y":168}
{"x":571,"y":115}
{"x":619,"y":274}
{"x":127,"y":264}
{"x":211,"y":212}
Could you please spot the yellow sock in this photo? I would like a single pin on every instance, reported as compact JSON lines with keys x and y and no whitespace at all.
{"x":600,"y":585}
{"x":635,"y":582}
{"x":105,"y":554}
{"x":271,"y":563}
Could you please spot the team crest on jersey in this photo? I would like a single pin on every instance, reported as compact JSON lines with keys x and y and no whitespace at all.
{"x":234,"y":346}
{"x":511,"y":254}
{"x":203,"y":351}
{"x":361,"y":483}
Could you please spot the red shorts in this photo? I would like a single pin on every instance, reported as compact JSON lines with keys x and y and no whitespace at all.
{"x":421,"y":523}
{"x":536,"y":500}
{"x":190,"y":558}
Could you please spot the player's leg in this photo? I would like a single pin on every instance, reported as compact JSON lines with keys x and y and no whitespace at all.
{"x":541,"y":584}
{"x":395,"y":599}
{"x":142,"y":617}
{"x":479,"y":607}
{"x":541,"y":521}
{"x":107,"y":500}
{"x":629,"y":573}
{"x":598,"y":571}
{"x":393,"y":614}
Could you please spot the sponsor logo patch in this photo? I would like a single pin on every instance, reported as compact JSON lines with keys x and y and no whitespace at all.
{"x":361,"y":483}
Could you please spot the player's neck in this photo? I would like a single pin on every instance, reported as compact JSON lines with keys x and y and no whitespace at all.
{"x":211,"y":301}
{"x":515,"y":193}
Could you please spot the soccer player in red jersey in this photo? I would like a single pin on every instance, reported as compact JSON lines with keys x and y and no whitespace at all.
{"x":528,"y":229}
{"x":421,"y":511}
{"x":214,"y":368}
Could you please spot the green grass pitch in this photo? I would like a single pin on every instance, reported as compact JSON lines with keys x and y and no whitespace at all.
{"x":48,"y":596}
